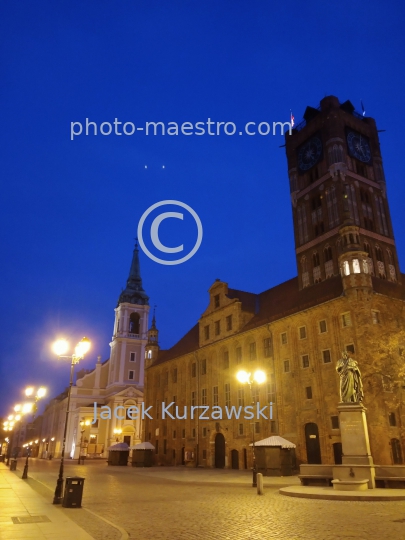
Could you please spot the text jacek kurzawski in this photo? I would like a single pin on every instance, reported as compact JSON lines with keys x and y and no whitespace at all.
{"x":173,"y":411}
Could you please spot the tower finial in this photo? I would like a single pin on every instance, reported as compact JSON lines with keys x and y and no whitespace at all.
{"x":134,"y":292}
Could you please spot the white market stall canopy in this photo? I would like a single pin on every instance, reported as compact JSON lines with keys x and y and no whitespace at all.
{"x":274,"y":441}
{"x":119,"y":447}
{"x":143,"y":446}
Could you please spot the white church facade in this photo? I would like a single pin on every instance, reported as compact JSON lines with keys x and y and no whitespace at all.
{"x":114,"y":386}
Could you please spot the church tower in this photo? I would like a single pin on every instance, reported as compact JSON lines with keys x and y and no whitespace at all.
{"x":127,"y":359}
{"x":338,"y":194}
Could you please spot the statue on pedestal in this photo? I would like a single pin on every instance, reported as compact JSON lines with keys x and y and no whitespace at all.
{"x":351,"y":386}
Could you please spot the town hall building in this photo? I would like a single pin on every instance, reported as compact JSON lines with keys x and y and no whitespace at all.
{"x":349,"y":295}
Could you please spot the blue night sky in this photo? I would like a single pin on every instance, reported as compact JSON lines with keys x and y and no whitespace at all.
{"x":70,"y":209}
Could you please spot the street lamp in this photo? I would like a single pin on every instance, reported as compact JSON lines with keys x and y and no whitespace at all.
{"x":83,"y":423}
{"x":117,"y":433}
{"x":31,"y":407}
{"x":259,"y":377}
{"x":60,"y":347}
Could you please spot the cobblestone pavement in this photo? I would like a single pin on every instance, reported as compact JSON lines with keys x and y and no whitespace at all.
{"x":151,"y":505}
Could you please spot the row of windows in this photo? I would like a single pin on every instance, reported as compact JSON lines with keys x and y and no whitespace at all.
{"x":217,"y":327}
{"x":305,"y":359}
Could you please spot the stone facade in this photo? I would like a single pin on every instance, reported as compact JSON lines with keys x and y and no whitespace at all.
{"x":347,"y":296}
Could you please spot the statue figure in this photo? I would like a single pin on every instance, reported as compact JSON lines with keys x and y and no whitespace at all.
{"x":351,"y":387}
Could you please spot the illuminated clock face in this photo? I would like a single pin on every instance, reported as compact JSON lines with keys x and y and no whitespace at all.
{"x":359,"y":146}
{"x":309,"y":153}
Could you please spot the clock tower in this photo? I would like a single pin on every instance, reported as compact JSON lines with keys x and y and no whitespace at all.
{"x":341,"y":215}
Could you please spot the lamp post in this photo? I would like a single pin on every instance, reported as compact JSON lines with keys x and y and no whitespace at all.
{"x":40,"y":393}
{"x":60,"y":348}
{"x":117,"y":433}
{"x":259,"y":377}
{"x":83,"y":423}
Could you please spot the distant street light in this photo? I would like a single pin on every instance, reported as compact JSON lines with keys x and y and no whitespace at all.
{"x":60,"y":347}
{"x":259,"y":377}
{"x":31,"y":407}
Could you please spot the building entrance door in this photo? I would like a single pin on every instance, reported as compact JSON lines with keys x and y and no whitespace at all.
{"x":235,"y":459}
{"x":127,"y":439}
{"x":219,"y":451}
{"x":312,"y":443}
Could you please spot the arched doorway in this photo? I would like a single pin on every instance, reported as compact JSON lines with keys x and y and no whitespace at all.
{"x":312,"y":443}
{"x":219,"y":451}
{"x":235,"y":459}
{"x":337,"y":453}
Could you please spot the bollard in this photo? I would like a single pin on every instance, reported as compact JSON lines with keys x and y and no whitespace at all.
{"x":259,"y":484}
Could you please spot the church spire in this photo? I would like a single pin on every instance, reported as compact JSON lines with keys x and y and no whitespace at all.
{"x":134,"y":292}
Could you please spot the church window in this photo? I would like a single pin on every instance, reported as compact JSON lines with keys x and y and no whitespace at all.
{"x":203,"y":367}
{"x":356,"y":266}
{"x":252,"y":351}
{"x":174,"y":375}
{"x":350,"y":348}
{"x":204,"y":396}
{"x":217,"y":326}
{"x":241,"y":396}
{"x":216,"y":301}
{"x":322,"y":327}
{"x":132,"y":357}
{"x":302,"y":224}
{"x":131,"y":373}
{"x":229,"y":323}
{"x":315,"y":259}
{"x":284,"y":338}
{"x":193,"y":369}
{"x":367,"y":248}
{"x":134,"y":323}
{"x":305,"y":361}
{"x":238,"y":355}
{"x":267,"y":347}
{"x":226,"y":359}
{"x":390,"y":256}
{"x":375,"y":316}
{"x":227,"y":395}
{"x":379,"y":254}
{"x":308,"y":392}
{"x":302,"y":332}
{"x":215,"y":395}
{"x":392,"y":419}
{"x":207,"y":332}
{"x":286,"y":366}
{"x":335,"y":422}
{"x":193,"y":398}
{"x":331,"y":204}
{"x":326,"y":356}
{"x":346,"y":319}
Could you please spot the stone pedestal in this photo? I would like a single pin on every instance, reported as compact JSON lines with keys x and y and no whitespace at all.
{"x":357,"y":462}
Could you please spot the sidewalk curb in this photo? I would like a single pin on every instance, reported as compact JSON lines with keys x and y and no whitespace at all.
{"x":124,"y":534}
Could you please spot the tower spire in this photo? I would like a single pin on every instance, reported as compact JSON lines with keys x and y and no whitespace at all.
{"x":134,"y":292}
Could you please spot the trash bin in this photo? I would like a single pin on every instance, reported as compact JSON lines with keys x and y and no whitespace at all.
{"x":72,"y":497}
{"x":2,"y":458}
{"x":13,"y":465}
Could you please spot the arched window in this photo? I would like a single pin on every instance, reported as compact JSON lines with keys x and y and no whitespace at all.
{"x":315,"y":259}
{"x":367,"y":248}
{"x":352,"y":202}
{"x":346,"y":268}
{"x":304,"y":264}
{"x":356,"y":266}
{"x":327,"y":252}
{"x":396,"y":451}
{"x":390,"y":256}
{"x":134,"y":323}
{"x":379,"y":254}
